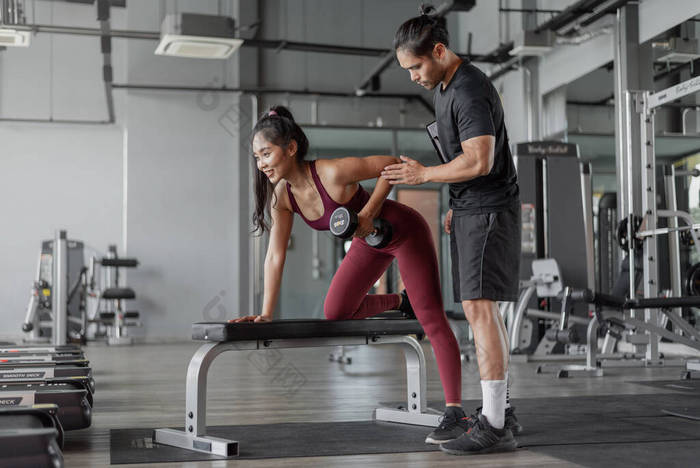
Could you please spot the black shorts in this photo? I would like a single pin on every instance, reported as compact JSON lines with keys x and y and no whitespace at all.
{"x":485,"y":252}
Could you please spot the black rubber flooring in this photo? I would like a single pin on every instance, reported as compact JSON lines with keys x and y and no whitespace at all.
{"x":616,"y":430}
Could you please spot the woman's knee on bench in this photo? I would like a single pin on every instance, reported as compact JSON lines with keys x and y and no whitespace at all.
{"x":336,"y":311}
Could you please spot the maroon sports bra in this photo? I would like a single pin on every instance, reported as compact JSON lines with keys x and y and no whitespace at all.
{"x":356,"y":203}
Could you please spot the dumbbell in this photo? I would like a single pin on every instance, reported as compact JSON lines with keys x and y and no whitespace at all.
{"x":344,"y":223}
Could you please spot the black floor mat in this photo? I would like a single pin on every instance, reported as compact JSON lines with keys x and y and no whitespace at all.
{"x":669,"y":454}
{"x":690,"y":386}
{"x":279,"y":441}
{"x":620,"y":431}
{"x":562,"y":427}
{"x":683,"y":412}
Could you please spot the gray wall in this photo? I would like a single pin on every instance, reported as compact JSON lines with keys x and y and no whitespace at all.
{"x":181,"y":160}
{"x":53,"y":177}
{"x":59,"y":76}
{"x":364,"y":23}
{"x":180,"y":152}
{"x":181,"y":221}
{"x":187,"y":176}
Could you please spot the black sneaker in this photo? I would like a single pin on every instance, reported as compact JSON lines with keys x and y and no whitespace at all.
{"x":511,"y":421}
{"x":481,"y":438}
{"x":405,"y":306}
{"x":453,"y":424}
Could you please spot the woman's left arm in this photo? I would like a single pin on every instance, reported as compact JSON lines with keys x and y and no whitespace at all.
{"x":354,"y":170}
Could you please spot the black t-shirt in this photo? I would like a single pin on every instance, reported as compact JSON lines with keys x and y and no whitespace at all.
{"x":470,"y":107}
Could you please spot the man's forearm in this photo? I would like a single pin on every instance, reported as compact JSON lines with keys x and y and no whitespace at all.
{"x":461,"y":169}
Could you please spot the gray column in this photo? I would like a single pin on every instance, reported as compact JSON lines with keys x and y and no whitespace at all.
{"x":245,"y":72}
{"x":554,"y":119}
{"x":531,"y":80}
{"x":633,"y":71}
{"x":692,"y":30}
{"x":246,"y":242}
{"x":533,"y":98}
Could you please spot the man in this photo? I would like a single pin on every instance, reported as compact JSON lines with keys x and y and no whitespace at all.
{"x":483,"y":220}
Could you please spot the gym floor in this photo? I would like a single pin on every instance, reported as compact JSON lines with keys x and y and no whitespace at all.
{"x":143,"y":386}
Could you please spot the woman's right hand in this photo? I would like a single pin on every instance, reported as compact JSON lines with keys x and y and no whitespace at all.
{"x":448,"y":221}
{"x":252,"y":318}
{"x":365,"y":226}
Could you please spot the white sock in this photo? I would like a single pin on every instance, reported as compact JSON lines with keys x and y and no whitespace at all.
{"x":507,"y":391}
{"x":494,"y":397}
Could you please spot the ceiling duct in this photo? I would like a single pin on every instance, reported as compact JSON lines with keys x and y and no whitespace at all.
{"x":463,"y":5}
{"x":198,"y":36}
{"x":12,"y":14}
{"x":112,"y":3}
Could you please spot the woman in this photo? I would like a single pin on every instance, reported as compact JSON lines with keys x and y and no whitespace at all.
{"x":286,"y":184}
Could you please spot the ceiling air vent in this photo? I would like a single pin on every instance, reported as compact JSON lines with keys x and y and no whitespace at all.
{"x":198,"y":36}
{"x":527,"y":43}
{"x":13,"y":38}
{"x":11,"y":16}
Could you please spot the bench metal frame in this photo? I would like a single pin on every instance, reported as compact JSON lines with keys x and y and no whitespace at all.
{"x":194,"y":437}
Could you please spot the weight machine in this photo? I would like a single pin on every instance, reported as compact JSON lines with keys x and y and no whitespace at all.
{"x":557,"y":245}
{"x":75,"y":301}
{"x":644,"y":105}
{"x":57,"y":304}
{"x":642,"y":320}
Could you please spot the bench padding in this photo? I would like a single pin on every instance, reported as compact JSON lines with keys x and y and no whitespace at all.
{"x":289,"y":329}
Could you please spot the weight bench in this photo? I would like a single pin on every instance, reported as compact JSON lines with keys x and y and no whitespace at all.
{"x":245,"y":336}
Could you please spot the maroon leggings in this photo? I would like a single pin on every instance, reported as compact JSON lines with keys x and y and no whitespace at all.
{"x":412,"y":245}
